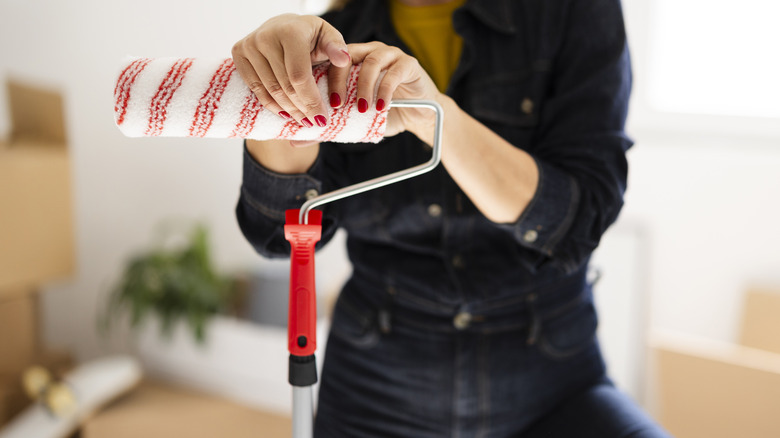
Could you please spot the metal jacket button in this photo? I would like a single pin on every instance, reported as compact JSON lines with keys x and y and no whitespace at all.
{"x":457,"y":262}
{"x":462,"y":320}
{"x":527,"y":105}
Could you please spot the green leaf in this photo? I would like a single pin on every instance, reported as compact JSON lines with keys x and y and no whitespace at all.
{"x":176,"y":284}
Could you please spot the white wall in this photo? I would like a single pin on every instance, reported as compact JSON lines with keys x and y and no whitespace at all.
{"x":707,"y":200}
{"x":711,"y":207}
{"x":705,"y":189}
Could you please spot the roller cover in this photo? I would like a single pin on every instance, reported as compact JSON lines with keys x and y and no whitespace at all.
{"x":194,"y":97}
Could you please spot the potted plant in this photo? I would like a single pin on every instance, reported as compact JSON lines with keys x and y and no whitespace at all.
{"x":174,"y":283}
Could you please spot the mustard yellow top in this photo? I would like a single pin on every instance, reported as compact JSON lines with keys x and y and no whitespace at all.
{"x":428,"y":32}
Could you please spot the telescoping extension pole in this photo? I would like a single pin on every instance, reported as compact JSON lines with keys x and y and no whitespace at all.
{"x":303,"y":229}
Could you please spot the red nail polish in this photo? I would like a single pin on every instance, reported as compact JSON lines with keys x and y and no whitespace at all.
{"x":335,"y":100}
{"x":362,"y":105}
{"x":380,"y":104}
{"x":346,"y":53}
{"x":306,"y":122}
{"x":284,"y":114}
{"x":321,"y":122}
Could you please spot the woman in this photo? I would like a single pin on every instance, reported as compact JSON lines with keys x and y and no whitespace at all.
{"x":468,"y":313}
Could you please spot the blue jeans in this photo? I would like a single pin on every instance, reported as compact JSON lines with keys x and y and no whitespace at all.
{"x":399,"y":367}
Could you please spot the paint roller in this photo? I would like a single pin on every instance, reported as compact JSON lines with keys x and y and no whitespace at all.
{"x":198,"y":97}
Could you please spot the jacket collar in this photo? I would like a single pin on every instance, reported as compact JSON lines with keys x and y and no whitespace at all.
{"x":495,"y":14}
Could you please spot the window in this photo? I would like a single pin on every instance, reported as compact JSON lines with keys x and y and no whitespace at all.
{"x":714,"y":57}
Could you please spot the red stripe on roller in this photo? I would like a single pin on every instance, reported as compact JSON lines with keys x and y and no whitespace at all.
{"x":319,"y":71}
{"x":289,"y":130}
{"x":337,"y":117}
{"x":342,"y":115}
{"x":294,"y":130}
{"x":209,"y":102}
{"x":158,"y":110}
{"x":373,"y":134}
{"x":124,"y":85}
{"x":376,"y":124}
{"x":368,"y":131}
{"x":286,"y":128}
{"x":248,"y":117}
{"x":124,"y":75}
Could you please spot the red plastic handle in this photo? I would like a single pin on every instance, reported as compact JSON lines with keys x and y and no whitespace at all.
{"x":302,"y":317}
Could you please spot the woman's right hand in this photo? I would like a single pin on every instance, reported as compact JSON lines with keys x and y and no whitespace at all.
{"x":275,"y":61}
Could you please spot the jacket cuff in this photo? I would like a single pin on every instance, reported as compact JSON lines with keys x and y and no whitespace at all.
{"x":272,"y":193}
{"x":550,"y":213}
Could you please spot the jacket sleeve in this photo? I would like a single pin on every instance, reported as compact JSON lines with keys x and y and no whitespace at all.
{"x":580,"y":145}
{"x":266,"y":195}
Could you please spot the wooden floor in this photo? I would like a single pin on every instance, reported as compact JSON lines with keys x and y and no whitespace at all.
{"x":157,"y":411}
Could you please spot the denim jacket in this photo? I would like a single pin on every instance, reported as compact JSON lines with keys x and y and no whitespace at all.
{"x":551,"y":77}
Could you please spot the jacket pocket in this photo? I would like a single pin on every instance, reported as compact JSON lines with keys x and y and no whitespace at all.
{"x":513,"y":99}
{"x":354,"y":324}
{"x":571,"y":333}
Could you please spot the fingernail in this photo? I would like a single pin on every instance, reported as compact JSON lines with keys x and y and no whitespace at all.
{"x":362,"y":105}
{"x":346,"y":53}
{"x":335,"y":100}
{"x":321,"y":122}
{"x":380,"y":104}
{"x":306,"y":122}
{"x":284,"y":114}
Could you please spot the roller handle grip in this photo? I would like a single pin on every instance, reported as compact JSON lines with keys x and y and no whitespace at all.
{"x":302,"y":316}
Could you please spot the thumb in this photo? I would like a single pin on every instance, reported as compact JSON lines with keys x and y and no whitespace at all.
{"x":330,"y":46}
{"x":303,"y":143}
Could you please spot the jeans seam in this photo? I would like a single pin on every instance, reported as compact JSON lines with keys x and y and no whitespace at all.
{"x":565,"y":224}
{"x":557,"y":354}
{"x":270,"y":213}
{"x":484,"y":359}
{"x":456,"y":388}
{"x":428,"y":304}
{"x":283,"y":176}
{"x":636,"y":432}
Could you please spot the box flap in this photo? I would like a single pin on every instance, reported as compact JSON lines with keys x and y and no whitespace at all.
{"x":36,"y":113}
{"x":761,"y":320}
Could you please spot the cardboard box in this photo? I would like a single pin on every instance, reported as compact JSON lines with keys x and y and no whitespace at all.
{"x":158,"y":411}
{"x":12,"y":398}
{"x":711,"y":389}
{"x":18,"y":331}
{"x":36,"y":224}
{"x":761,"y":320}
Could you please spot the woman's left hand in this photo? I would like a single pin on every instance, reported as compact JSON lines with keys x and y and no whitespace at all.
{"x":404,"y":79}
{"x":499,"y":178}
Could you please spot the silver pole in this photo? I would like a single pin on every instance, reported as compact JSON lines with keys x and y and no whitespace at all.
{"x":303,"y":412}
{"x":393,"y":177}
